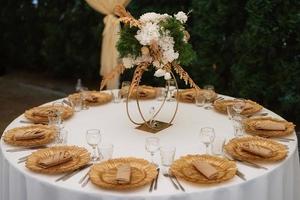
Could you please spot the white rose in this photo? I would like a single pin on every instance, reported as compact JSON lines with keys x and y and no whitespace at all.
{"x":181,"y":16}
{"x":160,"y":73}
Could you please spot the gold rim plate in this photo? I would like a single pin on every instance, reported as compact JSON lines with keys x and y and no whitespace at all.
{"x":40,"y":114}
{"x":80,"y":157}
{"x":234,"y":148}
{"x":103,"y":174}
{"x":188,"y":95}
{"x":221,"y":106}
{"x":249,"y":126}
{"x":49,"y":131}
{"x":183,"y":168}
{"x":100,"y":98}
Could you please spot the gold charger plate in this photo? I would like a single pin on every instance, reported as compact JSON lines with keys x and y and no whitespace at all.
{"x":100,"y":98}
{"x":234,"y":148}
{"x":221,"y":106}
{"x":183,"y":168}
{"x":80,"y":157}
{"x":145,"y":92}
{"x":40,"y":114}
{"x":188,"y":95}
{"x":50,"y":134}
{"x":249,"y":126}
{"x":103,"y":174}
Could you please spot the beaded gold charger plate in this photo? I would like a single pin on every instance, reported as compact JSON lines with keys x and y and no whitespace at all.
{"x":183,"y":168}
{"x":94,"y":98}
{"x":144,"y":91}
{"x":40,"y":114}
{"x":104,"y":174}
{"x":48,"y":134}
{"x":80,"y":157}
{"x":221,"y":106}
{"x":250,"y":127}
{"x":188,"y":95}
{"x":235,"y":148}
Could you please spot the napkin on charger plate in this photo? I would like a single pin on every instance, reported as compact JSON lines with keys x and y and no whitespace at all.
{"x":34,"y":134}
{"x":209,"y":171}
{"x":55,"y":159}
{"x":269,"y":125}
{"x":123,"y":174}
{"x":91,"y":98}
{"x":257,"y":150}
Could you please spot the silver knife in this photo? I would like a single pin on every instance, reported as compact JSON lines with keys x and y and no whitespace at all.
{"x":241,"y":175}
{"x":86,"y":182}
{"x":26,"y":149}
{"x":67,"y":102}
{"x":72,"y":173}
{"x":155,"y":182}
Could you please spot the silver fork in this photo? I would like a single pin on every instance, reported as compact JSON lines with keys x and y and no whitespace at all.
{"x":174,"y":184}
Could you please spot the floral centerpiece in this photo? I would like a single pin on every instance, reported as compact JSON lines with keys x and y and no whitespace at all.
{"x":154,"y":40}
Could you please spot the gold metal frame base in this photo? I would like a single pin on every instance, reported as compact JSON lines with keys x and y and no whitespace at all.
{"x":159,"y":126}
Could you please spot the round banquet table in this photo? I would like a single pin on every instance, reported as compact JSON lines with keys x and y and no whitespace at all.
{"x":280,"y":181}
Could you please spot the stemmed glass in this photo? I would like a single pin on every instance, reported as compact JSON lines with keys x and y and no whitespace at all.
{"x":209,"y":94}
{"x":207,"y":136}
{"x":239,"y":105}
{"x":172,"y":87}
{"x":152,"y":146}
{"x":93,"y":138}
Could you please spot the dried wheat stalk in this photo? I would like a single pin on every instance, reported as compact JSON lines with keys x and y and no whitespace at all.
{"x":126,"y":17}
{"x":184,"y":76}
{"x":139,"y":70}
{"x":119,"y":69}
{"x":155,"y":51}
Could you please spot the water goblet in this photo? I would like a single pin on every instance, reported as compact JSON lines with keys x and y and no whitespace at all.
{"x":116,"y":95}
{"x":62,"y":137}
{"x":84,"y":93}
{"x":167,"y":154}
{"x":199,"y":99}
{"x":106,"y":151}
{"x":93,"y":138}
{"x":152,"y":146}
{"x":209,"y":95}
{"x":207,"y":136}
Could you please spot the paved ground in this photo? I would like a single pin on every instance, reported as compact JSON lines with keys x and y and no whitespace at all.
{"x":20,"y":91}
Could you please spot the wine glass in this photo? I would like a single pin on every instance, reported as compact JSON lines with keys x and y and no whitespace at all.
{"x":152,"y":113}
{"x":55,"y":116}
{"x":209,"y":95}
{"x":93,"y":137}
{"x":239,"y":105}
{"x":152,"y":146}
{"x":171,"y":85}
{"x":207,"y":136}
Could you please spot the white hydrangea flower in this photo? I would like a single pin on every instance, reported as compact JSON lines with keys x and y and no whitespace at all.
{"x":181,"y":16}
{"x":148,"y":32}
{"x":160,"y":73}
{"x":152,"y":17}
{"x":167,"y":76}
{"x":166,"y":44}
{"x":128,"y":62}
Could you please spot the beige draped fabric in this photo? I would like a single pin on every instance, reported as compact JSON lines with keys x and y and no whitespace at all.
{"x":109,"y":54}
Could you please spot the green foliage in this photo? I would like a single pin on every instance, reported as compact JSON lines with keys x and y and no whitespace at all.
{"x":128,"y":44}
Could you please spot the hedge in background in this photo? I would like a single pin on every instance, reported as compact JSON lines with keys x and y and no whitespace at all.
{"x":246,"y":48}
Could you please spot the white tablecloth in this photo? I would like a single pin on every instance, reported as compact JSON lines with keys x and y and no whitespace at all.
{"x":280,"y":181}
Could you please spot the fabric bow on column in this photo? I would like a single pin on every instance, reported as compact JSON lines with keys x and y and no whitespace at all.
{"x":109,"y":53}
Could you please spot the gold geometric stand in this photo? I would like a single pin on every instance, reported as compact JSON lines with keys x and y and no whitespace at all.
{"x":159,"y":126}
